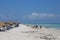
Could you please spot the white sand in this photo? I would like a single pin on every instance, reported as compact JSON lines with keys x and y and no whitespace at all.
{"x":24,"y":32}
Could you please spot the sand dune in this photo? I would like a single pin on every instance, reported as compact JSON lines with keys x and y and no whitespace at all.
{"x":24,"y":32}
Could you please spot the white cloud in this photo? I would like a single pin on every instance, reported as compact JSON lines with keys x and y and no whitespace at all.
{"x":34,"y":16}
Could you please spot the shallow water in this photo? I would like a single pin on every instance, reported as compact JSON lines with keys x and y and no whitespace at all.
{"x":57,"y":26}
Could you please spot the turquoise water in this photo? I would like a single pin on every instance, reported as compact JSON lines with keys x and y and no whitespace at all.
{"x":57,"y":26}
{"x":51,"y":25}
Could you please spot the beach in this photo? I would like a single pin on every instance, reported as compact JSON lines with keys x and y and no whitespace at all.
{"x":24,"y":32}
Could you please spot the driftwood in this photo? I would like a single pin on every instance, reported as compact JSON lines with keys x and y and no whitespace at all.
{"x":12,"y":23}
{"x":5,"y":25}
{"x":2,"y":25}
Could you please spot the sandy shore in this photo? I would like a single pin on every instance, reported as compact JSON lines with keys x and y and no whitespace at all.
{"x":24,"y":32}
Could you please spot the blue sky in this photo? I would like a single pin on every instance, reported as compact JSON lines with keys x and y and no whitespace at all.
{"x":30,"y":11}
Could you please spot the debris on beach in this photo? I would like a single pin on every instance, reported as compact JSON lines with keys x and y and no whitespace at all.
{"x":24,"y":32}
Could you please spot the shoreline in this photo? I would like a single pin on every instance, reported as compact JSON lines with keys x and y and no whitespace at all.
{"x":46,"y":26}
{"x":24,"y":32}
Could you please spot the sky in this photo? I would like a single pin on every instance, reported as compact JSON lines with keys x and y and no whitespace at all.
{"x":30,"y":11}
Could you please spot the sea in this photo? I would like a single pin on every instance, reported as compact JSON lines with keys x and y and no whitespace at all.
{"x":55,"y":25}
